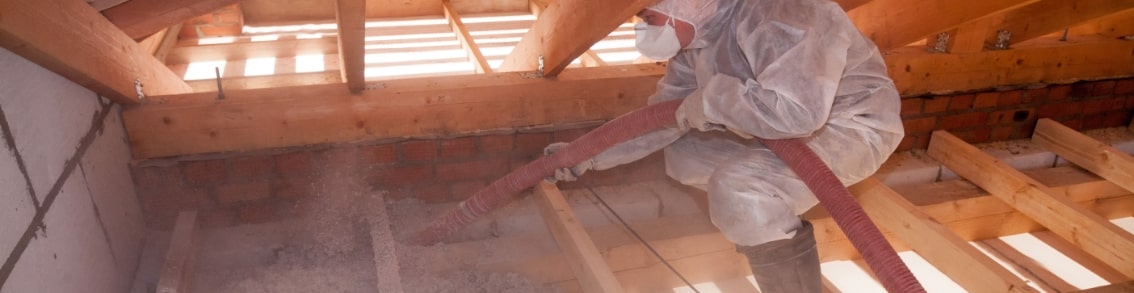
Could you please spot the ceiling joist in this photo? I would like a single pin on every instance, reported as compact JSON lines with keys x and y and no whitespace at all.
{"x":72,"y":39}
{"x":467,"y":42}
{"x":567,"y":29}
{"x":244,"y":48}
{"x":140,"y":18}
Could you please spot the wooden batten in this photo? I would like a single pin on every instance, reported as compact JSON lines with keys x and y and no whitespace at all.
{"x":590,"y":268}
{"x":62,"y":36}
{"x":351,"y":18}
{"x":467,"y":42}
{"x":896,"y":23}
{"x":1093,"y":233}
{"x":177,"y":269}
{"x":244,"y":48}
{"x":1099,"y":158}
{"x":1048,"y":16}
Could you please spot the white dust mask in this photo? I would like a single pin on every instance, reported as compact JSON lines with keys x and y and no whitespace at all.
{"x":657,"y":42}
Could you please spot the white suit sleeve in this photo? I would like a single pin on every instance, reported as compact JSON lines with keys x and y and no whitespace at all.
{"x":794,"y":94}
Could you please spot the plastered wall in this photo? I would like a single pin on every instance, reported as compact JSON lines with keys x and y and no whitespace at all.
{"x":70,"y":220}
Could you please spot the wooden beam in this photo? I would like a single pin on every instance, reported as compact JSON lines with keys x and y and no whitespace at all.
{"x":1078,"y":225}
{"x":1115,"y":25}
{"x":897,"y":23}
{"x":1086,"y":152}
{"x":153,"y":42}
{"x":1025,"y":265}
{"x":916,"y":71}
{"x":567,"y":29}
{"x":1089,"y":262}
{"x":351,"y":19}
{"x":140,"y":18}
{"x":1048,"y":16}
{"x":467,"y":41}
{"x":421,"y":107}
{"x":589,"y":58}
{"x":177,"y":268}
{"x":244,"y":48}
{"x":952,"y":255}
{"x":70,"y":38}
{"x":589,"y":267}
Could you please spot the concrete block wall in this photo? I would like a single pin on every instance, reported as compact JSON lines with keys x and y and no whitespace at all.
{"x":70,"y":220}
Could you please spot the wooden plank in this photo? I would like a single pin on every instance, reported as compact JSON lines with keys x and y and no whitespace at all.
{"x":916,"y":71}
{"x":1082,"y":258}
{"x":167,"y":43}
{"x":153,"y":42}
{"x":420,"y":107}
{"x":1115,"y":25}
{"x":1086,"y":152}
{"x":1059,"y":214}
{"x":565,"y":30}
{"x":140,"y":18}
{"x":350,"y":15}
{"x":897,"y":23}
{"x":589,"y":267}
{"x":1025,"y":265}
{"x":177,"y":269}
{"x":70,"y":38}
{"x":467,"y":41}
{"x":244,"y":48}
{"x":1048,"y":16}
{"x":1124,"y":287}
{"x":382,"y":241}
{"x":952,"y":255}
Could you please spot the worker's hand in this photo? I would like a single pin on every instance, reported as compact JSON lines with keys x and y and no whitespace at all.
{"x":567,"y":174}
{"x":691,"y":114}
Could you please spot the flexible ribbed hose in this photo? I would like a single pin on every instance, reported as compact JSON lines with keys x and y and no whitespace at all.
{"x":846,"y":212}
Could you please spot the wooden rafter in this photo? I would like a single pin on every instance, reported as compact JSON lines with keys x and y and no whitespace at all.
{"x":948,"y":252}
{"x":970,"y":37}
{"x":1067,"y":219}
{"x":244,"y":48}
{"x":567,"y":29}
{"x":140,"y":18}
{"x":167,"y":43}
{"x":351,"y":19}
{"x":1089,"y":262}
{"x":896,"y":23}
{"x":1115,"y":25}
{"x":592,"y":271}
{"x":1048,"y":16}
{"x":589,"y":58}
{"x":467,"y":42}
{"x":72,"y":39}
{"x":1086,"y":152}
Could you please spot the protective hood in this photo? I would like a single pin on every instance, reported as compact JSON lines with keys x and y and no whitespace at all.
{"x":706,"y":16}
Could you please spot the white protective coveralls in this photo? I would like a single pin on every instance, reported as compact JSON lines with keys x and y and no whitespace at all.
{"x":772,"y":69}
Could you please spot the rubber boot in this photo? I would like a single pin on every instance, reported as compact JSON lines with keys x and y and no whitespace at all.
{"x":786,"y":266}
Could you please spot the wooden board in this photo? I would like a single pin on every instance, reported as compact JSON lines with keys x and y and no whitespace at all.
{"x":177,"y":268}
{"x":1025,"y":265}
{"x":1061,"y":215}
{"x":351,"y":19}
{"x":140,"y":18}
{"x":1086,"y":152}
{"x":949,"y":253}
{"x":244,"y":48}
{"x":72,"y":39}
{"x":896,"y":23}
{"x":466,"y":40}
{"x":584,"y":259}
{"x":382,"y":241}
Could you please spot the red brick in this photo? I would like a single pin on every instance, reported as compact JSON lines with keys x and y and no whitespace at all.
{"x":532,"y":143}
{"x":293,"y":187}
{"x":254,"y":167}
{"x":157,"y":176}
{"x":293,"y":164}
{"x":188,"y":32}
{"x":1103,"y":88}
{"x":432,"y":193}
{"x":569,"y":135}
{"x":1093,"y":121}
{"x":1124,"y":87}
{"x":986,"y":100}
{"x":1130,"y":102}
{"x":464,"y":189}
{"x":402,"y":176}
{"x":494,"y":144}
{"x":1010,"y":98}
{"x":258,"y":212}
{"x":1071,"y":122}
{"x":907,"y":143}
{"x":379,"y":155}
{"x":481,"y":169}
{"x":1024,"y":131}
{"x":418,"y":150}
{"x":962,"y":120}
{"x":202,"y":19}
{"x":220,"y":30}
{"x":245,"y":191}
{"x":204,"y":172}
{"x":345,"y":158}
{"x":226,"y":15}
{"x":935,"y":105}
{"x":218,"y":218}
{"x":175,"y":199}
{"x":1003,"y":132}
{"x":1034,"y":95}
{"x":912,"y":106}
{"x":1117,"y":119}
{"x":1081,"y":89}
{"x":962,"y":102}
{"x":920,"y":124}
{"x":1060,"y":110}
{"x":1058,"y":93}
{"x":458,"y":148}
{"x":1010,"y":116}
{"x":977,"y":135}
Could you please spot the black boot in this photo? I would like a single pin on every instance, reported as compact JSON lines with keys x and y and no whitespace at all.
{"x":786,"y":266}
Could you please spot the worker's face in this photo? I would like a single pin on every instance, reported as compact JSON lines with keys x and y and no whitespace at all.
{"x":684,"y":30}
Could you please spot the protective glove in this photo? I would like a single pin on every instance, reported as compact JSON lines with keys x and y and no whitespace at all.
{"x":691,"y":114}
{"x":567,"y":174}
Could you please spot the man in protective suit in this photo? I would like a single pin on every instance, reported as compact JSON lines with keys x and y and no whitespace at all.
{"x":772,"y":69}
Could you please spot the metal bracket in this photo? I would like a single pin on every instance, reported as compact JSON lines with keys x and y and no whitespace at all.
{"x":220,"y":88}
{"x":942,"y":44}
{"x":138,"y":88}
{"x":539,"y":71}
{"x":1002,"y":38}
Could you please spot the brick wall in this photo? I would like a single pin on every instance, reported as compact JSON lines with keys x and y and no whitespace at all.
{"x":249,"y":188}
